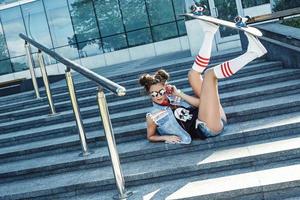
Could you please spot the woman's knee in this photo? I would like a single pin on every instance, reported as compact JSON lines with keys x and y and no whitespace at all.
{"x":209,"y":74}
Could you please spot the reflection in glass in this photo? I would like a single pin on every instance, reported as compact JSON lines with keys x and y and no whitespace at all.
{"x":114,"y":43}
{"x":89,"y":48}
{"x":109,"y":17}
{"x":36,"y":23}
{"x":181,"y":27}
{"x":139,"y":37}
{"x":3,"y":48}
{"x":160,"y":11}
{"x":19,"y":63}
{"x":84,"y":20}
{"x":59,"y":22}
{"x":5,"y":67}
{"x":134,"y":14}
{"x":252,"y":3}
{"x":68,"y":52}
{"x":179,"y":6}
{"x":13,"y":25}
{"x":227,"y":10}
{"x":164,"y":32}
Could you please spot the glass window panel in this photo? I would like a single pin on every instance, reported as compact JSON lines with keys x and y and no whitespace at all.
{"x":68,"y":52}
{"x":36,"y":23}
{"x":251,"y":3}
{"x":160,"y":11}
{"x":109,"y":17}
{"x":89,"y":48}
{"x":13,"y":25}
{"x":60,"y":22}
{"x":84,"y":20}
{"x":134,"y":14}
{"x":181,"y":27}
{"x":114,"y":43}
{"x":179,"y":6}
{"x":139,"y":37}
{"x":5,"y":67}
{"x":3,"y":48}
{"x":19,"y":63}
{"x":164,"y":32}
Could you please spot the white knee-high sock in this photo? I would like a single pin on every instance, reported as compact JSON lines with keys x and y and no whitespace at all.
{"x":203,"y":57}
{"x":228,"y":68}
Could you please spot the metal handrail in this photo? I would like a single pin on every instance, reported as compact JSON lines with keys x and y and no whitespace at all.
{"x":104,"y":82}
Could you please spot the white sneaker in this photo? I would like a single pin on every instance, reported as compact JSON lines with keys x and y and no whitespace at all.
{"x":208,"y":27}
{"x":255,"y":45}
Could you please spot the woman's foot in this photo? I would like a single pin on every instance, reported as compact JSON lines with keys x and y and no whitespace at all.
{"x":255,"y":45}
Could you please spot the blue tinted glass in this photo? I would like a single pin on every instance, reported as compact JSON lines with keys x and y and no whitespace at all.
{"x":19,"y":63}
{"x":36,"y":23}
{"x":69,"y":52}
{"x":160,"y":11}
{"x":114,"y":43}
{"x":139,"y":37}
{"x":60,"y":22}
{"x":179,"y":6}
{"x":164,"y":32}
{"x":5,"y":67}
{"x":3,"y":47}
{"x":134,"y":14}
{"x":89,"y":48}
{"x":109,"y":17}
{"x":181,"y":27}
{"x":13,"y":25}
{"x":84,"y":20}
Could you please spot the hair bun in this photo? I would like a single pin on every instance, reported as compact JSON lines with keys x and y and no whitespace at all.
{"x":162,"y":75}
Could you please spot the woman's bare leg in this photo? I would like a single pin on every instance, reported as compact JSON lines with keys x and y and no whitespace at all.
{"x":210,"y":109}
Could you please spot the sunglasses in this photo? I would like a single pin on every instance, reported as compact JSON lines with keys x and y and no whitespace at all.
{"x":161,"y":92}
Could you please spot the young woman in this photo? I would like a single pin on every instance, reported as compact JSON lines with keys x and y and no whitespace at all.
{"x":177,"y":117}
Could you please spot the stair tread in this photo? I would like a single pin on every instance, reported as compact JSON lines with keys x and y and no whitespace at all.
{"x":191,"y":161}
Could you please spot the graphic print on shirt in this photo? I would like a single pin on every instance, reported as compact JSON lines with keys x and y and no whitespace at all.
{"x":183,"y":114}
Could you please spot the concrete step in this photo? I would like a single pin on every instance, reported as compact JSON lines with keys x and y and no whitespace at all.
{"x":287,"y":103}
{"x":272,"y":182}
{"x":230,"y":98}
{"x":82,"y":83}
{"x":253,"y":130}
{"x":91,"y":91}
{"x":203,"y":164}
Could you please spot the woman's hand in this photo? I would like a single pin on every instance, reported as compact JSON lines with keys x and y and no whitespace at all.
{"x":172,"y":139}
{"x":171,"y":89}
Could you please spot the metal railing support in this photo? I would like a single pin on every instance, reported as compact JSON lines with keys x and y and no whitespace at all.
{"x":46,"y":82}
{"x":76,"y":110}
{"x":31,"y":70}
{"x":123,"y":194}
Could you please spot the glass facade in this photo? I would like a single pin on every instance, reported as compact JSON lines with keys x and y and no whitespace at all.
{"x":81,"y":28}
{"x":251,"y":3}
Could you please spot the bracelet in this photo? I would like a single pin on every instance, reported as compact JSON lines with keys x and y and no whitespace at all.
{"x":180,"y":92}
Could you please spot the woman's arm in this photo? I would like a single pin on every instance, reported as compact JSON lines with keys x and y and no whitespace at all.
{"x":194,"y":101}
{"x":153,"y":137}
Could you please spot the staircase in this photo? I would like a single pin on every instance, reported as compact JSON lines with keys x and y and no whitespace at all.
{"x":257,"y":157}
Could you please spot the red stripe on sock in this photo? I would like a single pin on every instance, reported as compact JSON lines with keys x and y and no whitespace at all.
{"x":200,"y":64}
{"x":228,"y":67}
{"x":201,"y":61}
{"x":202,"y":58}
{"x":226,"y":70}
{"x":223,"y":71}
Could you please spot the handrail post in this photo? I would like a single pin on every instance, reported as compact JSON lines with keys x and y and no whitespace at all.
{"x":123,"y":194}
{"x":31,"y":70}
{"x":46,"y":82}
{"x":76,"y":110}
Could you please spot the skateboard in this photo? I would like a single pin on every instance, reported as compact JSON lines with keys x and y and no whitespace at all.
{"x":240,"y":23}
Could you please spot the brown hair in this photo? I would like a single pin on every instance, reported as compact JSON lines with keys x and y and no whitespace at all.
{"x":147,"y":80}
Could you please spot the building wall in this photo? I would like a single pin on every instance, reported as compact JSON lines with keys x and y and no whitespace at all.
{"x":116,"y":30}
